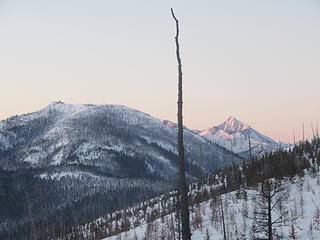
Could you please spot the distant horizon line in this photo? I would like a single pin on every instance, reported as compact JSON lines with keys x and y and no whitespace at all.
{"x":315,"y":129}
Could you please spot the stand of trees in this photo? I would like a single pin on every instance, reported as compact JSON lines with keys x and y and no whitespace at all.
{"x":269,"y":202}
{"x":36,"y":208}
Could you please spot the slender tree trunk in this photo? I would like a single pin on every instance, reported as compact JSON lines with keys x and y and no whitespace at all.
{"x":269,"y":220}
{"x":250,"y":150}
{"x":223,"y":223}
{"x":270,"y":234}
{"x":186,"y":235}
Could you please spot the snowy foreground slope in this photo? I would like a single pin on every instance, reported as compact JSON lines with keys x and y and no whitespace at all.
{"x":234,"y":135}
{"x":291,"y":175}
{"x":301,"y":208}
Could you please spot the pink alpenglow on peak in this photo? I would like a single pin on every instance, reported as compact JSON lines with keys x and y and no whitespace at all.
{"x":169,"y":123}
{"x":234,"y":135}
{"x":235,"y":125}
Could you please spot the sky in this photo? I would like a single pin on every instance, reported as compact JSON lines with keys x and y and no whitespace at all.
{"x":255,"y":60}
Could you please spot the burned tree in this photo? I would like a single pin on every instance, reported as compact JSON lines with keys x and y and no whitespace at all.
{"x":186,"y":235}
{"x":267,"y":202}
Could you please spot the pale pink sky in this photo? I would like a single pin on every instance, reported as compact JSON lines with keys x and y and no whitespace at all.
{"x":255,"y":60}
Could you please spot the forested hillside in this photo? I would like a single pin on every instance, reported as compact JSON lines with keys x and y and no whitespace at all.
{"x":66,"y":164}
{"x":233,"y":202}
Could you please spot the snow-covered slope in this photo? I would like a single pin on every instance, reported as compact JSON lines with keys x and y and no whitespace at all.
{"x":300,"y":212}
{"x":83,"y":153}
{"x":293,"y":181}
{"x":234,"y":135}
{"x":119,"y":140}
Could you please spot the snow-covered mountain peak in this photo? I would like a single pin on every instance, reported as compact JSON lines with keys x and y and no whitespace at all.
{"x":229,"y":129}
{"x":234,"y":125}
{"x":63,"y":107}
{"x":54,"y":104}
{"x":234,"y":135}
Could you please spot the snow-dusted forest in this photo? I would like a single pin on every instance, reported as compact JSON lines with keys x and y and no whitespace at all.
{"x":296,"y":215}
{"x":183,"y":120}
{"x":281,"y":189}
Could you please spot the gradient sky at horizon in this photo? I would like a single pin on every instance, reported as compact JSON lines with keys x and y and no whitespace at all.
{"x":255,"y":60}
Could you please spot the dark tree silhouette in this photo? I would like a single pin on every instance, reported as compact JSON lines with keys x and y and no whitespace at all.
{"x":267,"y":203}
{"x":222,"y":216}
{"x":186,"y":235}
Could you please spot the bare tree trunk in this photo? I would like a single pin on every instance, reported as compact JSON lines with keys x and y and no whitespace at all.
{"x":222,"y":216}
{"x":313,"y":131}
{"x":270,"y":233}
{"x":186,"y":235}
{"x":250,"y":149}
{"x":201,"y":160}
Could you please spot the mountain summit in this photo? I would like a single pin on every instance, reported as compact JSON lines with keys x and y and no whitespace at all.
{"x":111,"y":138}
{"x":234,"y":135}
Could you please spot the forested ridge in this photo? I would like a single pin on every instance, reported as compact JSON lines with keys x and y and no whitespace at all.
{"x":67,"y":164}
{"x":264,"y":177}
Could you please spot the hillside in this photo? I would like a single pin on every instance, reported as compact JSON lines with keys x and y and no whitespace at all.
{"x":294,"y":176}
{"x":114,"y":138}
{"x":68,"y":164}
{"x":301,"y":212}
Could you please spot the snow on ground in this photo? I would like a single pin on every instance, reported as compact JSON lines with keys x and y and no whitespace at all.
{"x":4,"y":142}
{"x":58,"y":176}
{"x":34,"y":158}
{"x":234,"y":136}
{"x":302,"y":203}
{"x":165,"y":145}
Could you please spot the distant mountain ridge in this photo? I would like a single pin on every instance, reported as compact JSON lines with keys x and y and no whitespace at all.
{"x":89,"y":160}
{"x":86,"y":159}
{"x":101,"y":135}
{"x":234,"y":135}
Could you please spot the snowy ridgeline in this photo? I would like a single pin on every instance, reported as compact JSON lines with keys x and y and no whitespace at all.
{"x":120,"y":141}
{"x":297,"y":209}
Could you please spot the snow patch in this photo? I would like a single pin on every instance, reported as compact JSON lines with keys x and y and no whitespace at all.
{"x":34,"y":158}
